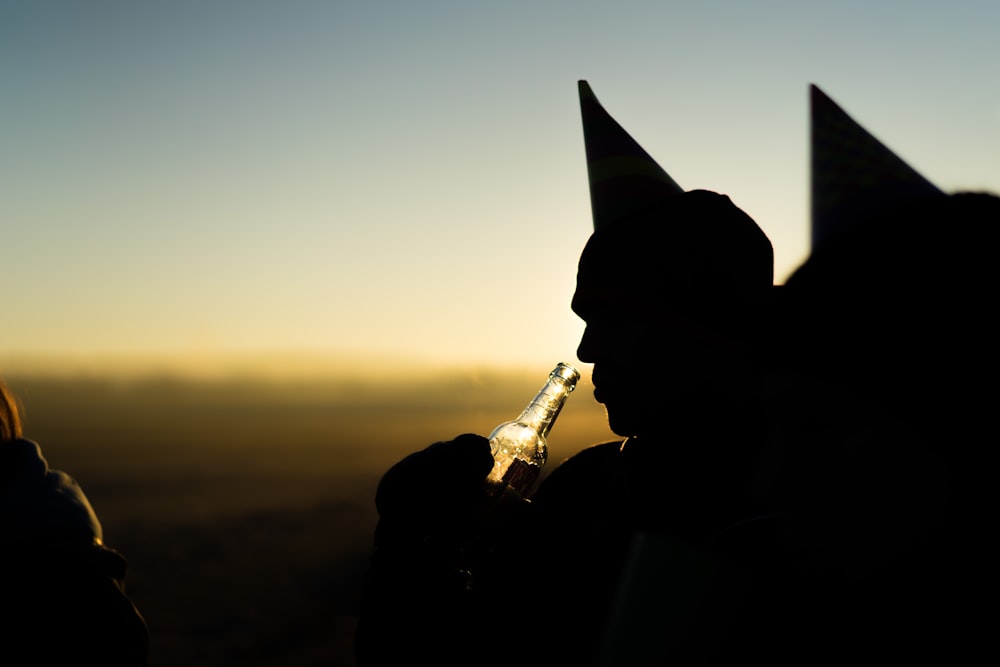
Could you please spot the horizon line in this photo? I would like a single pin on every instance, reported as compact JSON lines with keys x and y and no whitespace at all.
{"x":250,"y":364}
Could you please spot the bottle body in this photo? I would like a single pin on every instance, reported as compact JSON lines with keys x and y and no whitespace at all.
{"x":519,"y":446}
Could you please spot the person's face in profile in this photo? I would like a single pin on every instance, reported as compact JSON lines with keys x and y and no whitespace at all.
{"x":654,"y":290}
{"x":643,"y":356}
{"x":622,"y":364}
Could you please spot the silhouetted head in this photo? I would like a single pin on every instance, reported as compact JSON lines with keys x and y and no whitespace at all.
{"x":902,"y":309}
{"x":895,"y":301}
{"x":669,"y":298}
{"x":667,"y":283}
{"x":694,"y":255}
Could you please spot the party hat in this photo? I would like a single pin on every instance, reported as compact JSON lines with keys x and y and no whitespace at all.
{"x":853,"y":175}
{"x":623,"y":177}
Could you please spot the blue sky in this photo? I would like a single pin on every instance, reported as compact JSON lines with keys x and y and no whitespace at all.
{"x":399,"y":179}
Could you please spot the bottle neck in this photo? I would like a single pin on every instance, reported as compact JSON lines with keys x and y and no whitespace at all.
{"x":541,"y":413}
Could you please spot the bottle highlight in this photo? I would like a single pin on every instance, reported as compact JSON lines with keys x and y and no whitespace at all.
{"x":519,"y":446}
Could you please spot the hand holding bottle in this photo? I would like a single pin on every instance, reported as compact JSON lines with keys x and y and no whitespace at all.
{"x":445,"y":513}
{"x":435,"y":491}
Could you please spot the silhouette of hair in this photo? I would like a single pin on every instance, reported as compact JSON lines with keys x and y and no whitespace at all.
{"x":10,"y":414}
{"x":695,"y":253}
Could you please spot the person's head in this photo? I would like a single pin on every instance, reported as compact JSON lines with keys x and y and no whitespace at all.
{"x":666,"y":283}
{"x":668,"y":299}
{"x":10,"y":414}
{"x":895,"y":303}
{"x":901,"y":310}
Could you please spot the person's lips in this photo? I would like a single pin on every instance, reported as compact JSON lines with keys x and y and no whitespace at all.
{"x":603,"y":393}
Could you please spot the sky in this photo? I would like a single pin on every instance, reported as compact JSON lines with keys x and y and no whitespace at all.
{"x":394,"y":180}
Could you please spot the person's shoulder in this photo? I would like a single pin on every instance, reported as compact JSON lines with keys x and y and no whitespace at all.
{"x":588,"y":458}
{"x":41,"y":504}
{"x":579,"y":473}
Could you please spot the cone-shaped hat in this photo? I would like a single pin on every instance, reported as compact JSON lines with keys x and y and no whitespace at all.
{"x":623,"y":177}
{"x":853,"y":175}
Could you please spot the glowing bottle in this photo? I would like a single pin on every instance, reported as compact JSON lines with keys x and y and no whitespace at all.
{"x":519,"y":446}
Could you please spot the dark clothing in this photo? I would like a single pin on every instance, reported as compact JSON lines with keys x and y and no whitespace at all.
{"x":62,"y":591}
{"x":545,"y":576}
{"x":69,"y":606}
{"x":828,"y":545}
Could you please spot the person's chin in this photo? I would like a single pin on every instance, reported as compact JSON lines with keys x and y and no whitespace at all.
{"x":622,"y":422}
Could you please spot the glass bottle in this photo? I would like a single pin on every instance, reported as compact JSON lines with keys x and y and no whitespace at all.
{"x":519,"y":446}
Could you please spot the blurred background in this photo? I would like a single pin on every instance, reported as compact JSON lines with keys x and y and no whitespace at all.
{"x":254,"y":252}
{"x":245,"y":506}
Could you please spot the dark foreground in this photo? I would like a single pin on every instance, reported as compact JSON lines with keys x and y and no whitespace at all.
{"x":245,"y":508}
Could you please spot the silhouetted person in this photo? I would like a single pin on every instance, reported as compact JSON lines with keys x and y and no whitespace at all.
{"x":890,"y":477}
{"x":883,"y":449}
{"x":62,"y":590}
{"x":671,"y":286}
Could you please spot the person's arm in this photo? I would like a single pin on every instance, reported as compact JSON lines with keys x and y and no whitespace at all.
{"x":420,"y":601}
